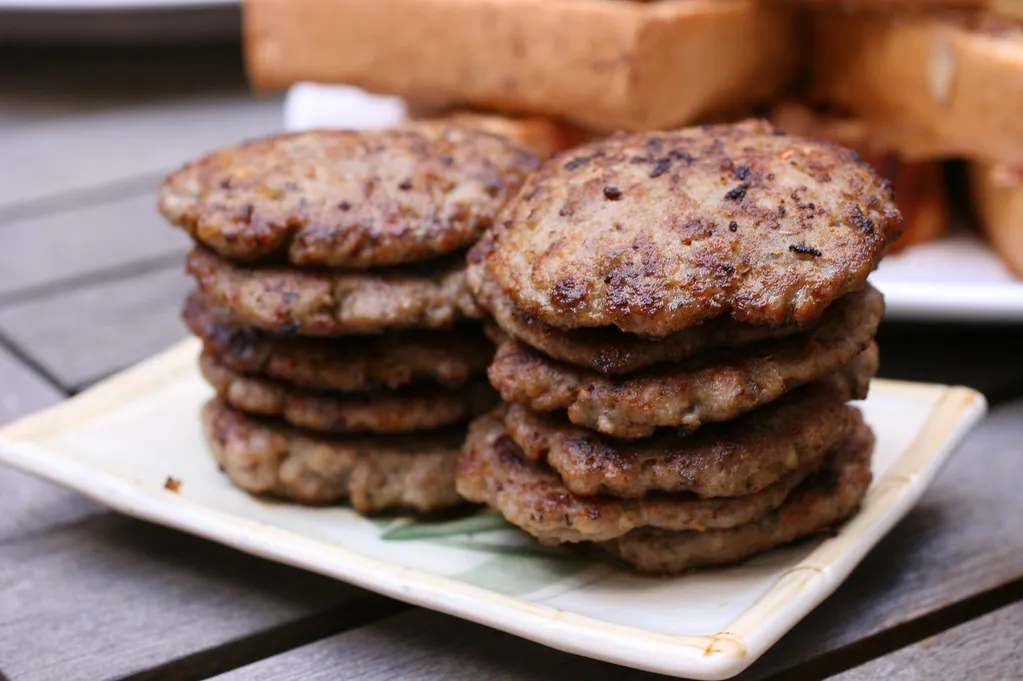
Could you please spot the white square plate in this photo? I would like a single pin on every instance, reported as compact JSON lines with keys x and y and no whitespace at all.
{"x":120,"y":441}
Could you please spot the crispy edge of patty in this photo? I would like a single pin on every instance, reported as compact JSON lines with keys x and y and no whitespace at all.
{"x":717,"y":388}
{"x":381,"y":412}
{"x":347,"y":198}
{"x":727,"y":460}
{"x":817,"y":505}
{"x":316,"y":303}
{"x":449,"y":358}
{"x":606,"y":350}
{"x":493,"y":470}
{"x":374,"y":474}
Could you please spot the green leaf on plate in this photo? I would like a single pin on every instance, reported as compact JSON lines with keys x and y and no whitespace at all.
{"x":481,"y":522}
{"x":517,"y":575}
{"x":530,"y":549}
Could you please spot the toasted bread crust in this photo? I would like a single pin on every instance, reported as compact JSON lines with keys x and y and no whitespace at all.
{"x":945,"y":86}
{"x":998,"y":197}
{"x":602,"y":65}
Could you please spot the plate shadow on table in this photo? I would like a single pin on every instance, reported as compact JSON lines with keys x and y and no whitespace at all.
{"x":982,"y":356}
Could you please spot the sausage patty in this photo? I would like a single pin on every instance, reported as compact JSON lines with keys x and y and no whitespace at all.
{"x":374,"y":473}
{"x":313,"y":303}
{"x":606,"y":350}
{"x":494,"y":470}
{"x":393,"y":360}
{"x":713,"y":388}
{"x":378,"y":412}
{"x":346,"y":198}
{"x":658,"y":232}
{"x":818,"y":504}
{"x":721,"y":460}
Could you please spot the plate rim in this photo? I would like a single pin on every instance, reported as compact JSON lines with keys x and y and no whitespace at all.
{"x":717,"y":656}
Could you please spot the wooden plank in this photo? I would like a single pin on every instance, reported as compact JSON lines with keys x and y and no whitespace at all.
{"x":111,"y":596}
{"x":428,"y":647}
{"x":55,"y":157}
{"x":989,"y":648}
{"x":74,"y":243}
{"x":28,"y":505}
{"x":147,"y":110}
{"x":86,"y":333}
{"x":51,"y":82}
{"x":961,"y":541}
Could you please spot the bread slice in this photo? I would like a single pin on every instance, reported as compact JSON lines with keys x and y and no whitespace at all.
{"x":942,"y":86}
{"x":920,"y":188}
{"x":998,"y":199}
{"x":1007,"y":9}
{"x":603,"y":64}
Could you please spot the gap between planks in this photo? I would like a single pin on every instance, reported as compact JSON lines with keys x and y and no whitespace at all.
{"x":112,"y":274}
{"x":274,"y":641}
{"x":902,"y":635}
{"x":19,"y":355}
{"x":75,"y":199}
{"x":990,"y":648}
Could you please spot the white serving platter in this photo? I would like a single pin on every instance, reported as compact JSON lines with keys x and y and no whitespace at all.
{"x":954,"y":279}
{"x":120,"y":441}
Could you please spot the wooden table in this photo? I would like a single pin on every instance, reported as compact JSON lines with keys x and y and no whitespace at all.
{"x":91,"y":281}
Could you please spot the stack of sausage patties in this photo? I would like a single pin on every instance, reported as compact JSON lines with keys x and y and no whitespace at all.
{"x":333,"y":306}
{"x":682,"y":318}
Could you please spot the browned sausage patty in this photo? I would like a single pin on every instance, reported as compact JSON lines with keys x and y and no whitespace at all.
{"x":378,"y":412}
{"x":374,"y":473}
{"x":713,"y":388}
{"x":352,"y":363}
{"x":494,"y":470}
{"x":658,"y":232}
{"x":312,"y":303}
{"x":606,"y":349}
{"x":353,"y":199}
{"x":819,"y":503}
{"x":723,"y":460}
